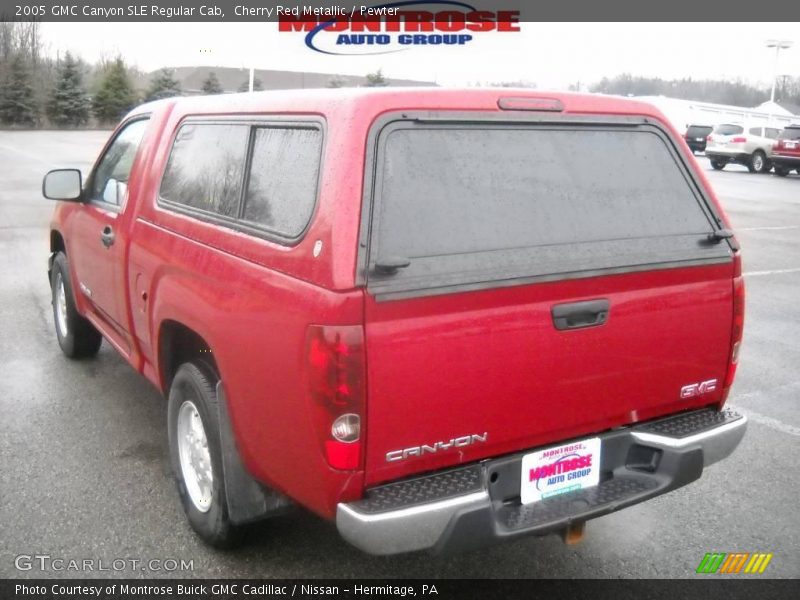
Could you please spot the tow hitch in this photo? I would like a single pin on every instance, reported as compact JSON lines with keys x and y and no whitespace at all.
{"x":573,"y":533}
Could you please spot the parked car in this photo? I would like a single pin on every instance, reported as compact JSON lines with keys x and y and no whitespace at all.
{"x":696,"y":135}
{"x":441,"y":318}
{"x":729,"y":143}
{"x":786,"y":151}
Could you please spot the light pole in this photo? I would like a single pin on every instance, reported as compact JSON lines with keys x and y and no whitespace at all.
{"x":778,"y":45}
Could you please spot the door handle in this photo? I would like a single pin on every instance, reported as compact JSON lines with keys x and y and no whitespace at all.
{"x":107,"y":237}
{"x":576,"y":315}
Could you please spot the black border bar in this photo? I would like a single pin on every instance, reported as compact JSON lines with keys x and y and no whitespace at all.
{"x":529,"y":10}
{"x":708,"y":587}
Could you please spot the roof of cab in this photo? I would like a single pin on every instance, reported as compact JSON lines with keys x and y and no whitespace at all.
{"x":378,"y":100}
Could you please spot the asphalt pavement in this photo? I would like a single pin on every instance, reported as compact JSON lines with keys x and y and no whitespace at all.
{"x":83,"y":445}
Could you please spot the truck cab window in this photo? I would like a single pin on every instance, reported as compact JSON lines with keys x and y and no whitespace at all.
{"x":282,"y":187}
{"x":110,"y":181}
{"x":206,"y":166}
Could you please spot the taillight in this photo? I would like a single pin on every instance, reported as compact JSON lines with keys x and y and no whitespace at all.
{"x":335,"y":362}
{"x":737,"y":327}
{"x":708,"y":138}
{"x":739,"y":140}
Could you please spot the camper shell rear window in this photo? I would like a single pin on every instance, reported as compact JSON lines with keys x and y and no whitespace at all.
{"x":475,"y":204}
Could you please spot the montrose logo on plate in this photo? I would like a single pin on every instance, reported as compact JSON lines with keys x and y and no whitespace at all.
{"x":394,"y":27}
{"x":560,"y":470}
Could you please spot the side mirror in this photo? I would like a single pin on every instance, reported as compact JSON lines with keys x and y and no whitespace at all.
{"x":62,"y":184}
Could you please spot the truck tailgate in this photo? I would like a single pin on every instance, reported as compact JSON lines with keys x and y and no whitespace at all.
{"x":456,"y":378}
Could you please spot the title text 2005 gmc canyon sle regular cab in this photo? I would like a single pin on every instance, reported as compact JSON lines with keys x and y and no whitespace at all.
{"x":440,"y":317}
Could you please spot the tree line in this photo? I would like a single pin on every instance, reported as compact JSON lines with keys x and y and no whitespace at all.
{"x":68,"y":101}
{"x":36,"y":90}
{"x":66,"y":92}
{"x":736,"y":93}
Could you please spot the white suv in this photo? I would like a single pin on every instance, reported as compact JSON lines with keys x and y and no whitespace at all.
{"x":753,"y":149}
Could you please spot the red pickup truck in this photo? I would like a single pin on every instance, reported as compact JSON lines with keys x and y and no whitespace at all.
{"x":440,"y":318}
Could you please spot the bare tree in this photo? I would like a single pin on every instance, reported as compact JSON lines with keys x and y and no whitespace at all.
{"x":20,"y":38}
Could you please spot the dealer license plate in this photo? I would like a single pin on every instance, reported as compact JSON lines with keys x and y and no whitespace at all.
{"x":789,"y":144}
{"x":560,"y":469}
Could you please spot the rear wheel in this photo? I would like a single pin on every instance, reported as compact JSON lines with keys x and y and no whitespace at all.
{"x":717,"y":165}
{"x":758,"y":163}
{"x":77,"y":337}
{"x":195,"y":454}
{"x":781,"y":171}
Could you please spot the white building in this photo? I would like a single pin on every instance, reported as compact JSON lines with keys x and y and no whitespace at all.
{"x":683,"y":113}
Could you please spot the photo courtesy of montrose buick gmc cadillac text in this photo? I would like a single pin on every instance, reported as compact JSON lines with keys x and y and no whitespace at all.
{"x":439,"y":318}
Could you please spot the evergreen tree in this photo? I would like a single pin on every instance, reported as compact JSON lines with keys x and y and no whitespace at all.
{"x":257,"y":86}
{"x":17,"y":103}
{"x":69,"y":105}
{"x":211,"y":84}
{"x":115,"y":95}
{"x":163,"y":85}
{"x":376,"y":79}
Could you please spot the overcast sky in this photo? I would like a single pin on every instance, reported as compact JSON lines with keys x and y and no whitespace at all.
{"x":552,"y":55}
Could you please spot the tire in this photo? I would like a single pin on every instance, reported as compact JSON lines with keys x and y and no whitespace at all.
{"x":717,"y":165}
{"x":77,"y":337}
{"x":758,"y":163}
{"x":196,"y":457}
{"x":781,"y":171}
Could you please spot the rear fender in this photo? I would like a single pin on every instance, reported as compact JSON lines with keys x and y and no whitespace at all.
{"x":247,"y":499}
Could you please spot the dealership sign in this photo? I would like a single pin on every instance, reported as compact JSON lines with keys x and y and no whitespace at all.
{"x":393,"y":27}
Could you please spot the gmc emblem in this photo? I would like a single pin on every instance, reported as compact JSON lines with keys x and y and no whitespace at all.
{"x":698,"y":389}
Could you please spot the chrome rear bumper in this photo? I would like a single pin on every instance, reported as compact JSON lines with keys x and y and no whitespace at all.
{"x":458,"y":509}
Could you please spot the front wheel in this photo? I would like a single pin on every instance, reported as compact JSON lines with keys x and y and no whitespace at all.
{"x":77,"y":337}
{"x":196,"y":457}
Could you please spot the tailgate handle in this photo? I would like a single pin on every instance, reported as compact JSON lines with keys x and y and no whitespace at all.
{"x":576,"y":315}
{"x":720,"y":234}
